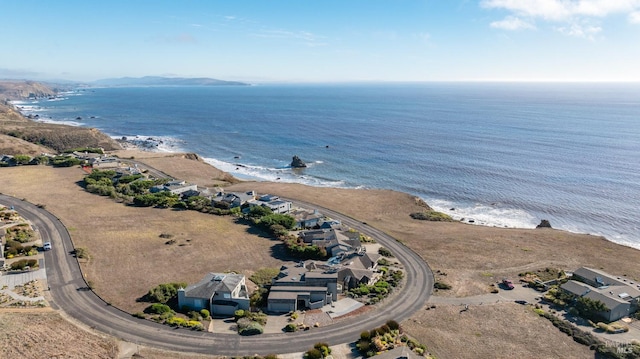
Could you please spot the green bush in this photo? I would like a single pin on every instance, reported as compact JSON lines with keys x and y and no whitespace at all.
{"x":284,"y":220}
{"x":393,"y":325}
{"x":313,"y":354}
{"x":441,"y":285}
{"x":158,"y":308}
{"x":291,"y":327}
{"x":23,"y":263}
{"x":164,"y":292}
{"x":205,"y":313}
{"x":239,"y":314}
{"x":384,"y":252}
{"x":263,"y":276}
{"x":433,"y":216}
{"x":253,"y":328}
{"x":176,"y":322}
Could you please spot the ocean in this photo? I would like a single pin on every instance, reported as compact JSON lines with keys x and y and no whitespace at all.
{"x":497,"y":154}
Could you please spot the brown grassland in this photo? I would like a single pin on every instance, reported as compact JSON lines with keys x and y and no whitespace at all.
{"x":122,"y":240}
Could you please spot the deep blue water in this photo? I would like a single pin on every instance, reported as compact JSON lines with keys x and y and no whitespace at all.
{"x":502,"y":154}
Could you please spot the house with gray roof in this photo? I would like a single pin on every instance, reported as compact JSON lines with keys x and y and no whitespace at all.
{"x":175,"y":187}
{"x":400,"y":352}
{"x":273,"y":202}
{"x":621,"y":296}
{"x":306,"y":218}
{"x":302,"y":287}
{"x":232,"y":199}
{"x":220,"y":293}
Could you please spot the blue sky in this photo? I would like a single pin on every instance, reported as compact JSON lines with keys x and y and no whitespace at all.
{"x":323,"y":41}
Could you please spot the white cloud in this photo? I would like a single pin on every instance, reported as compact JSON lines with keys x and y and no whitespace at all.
{"x":573,"y":17}
{"x":512,"y":23}
{"x":562,"y":10}
{"x":582,"y":31}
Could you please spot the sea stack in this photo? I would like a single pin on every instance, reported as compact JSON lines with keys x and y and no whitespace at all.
{"x":296,"y":162}
{"x":544,"y":224}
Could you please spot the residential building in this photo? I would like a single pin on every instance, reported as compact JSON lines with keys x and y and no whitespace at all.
{"x":232,"y":199}
{"x":274,"y":203}
{"x":298,"y":287}
{"x":220,"y":293}
{"x":621,"y":296}
{"x":306,"y":218}
{"x":175,"y":187}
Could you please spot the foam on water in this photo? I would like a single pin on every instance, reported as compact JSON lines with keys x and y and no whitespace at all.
{"x":486,"y":215}
{"x":260,"y":173}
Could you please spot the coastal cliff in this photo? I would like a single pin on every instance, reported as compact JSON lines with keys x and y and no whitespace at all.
{"x":46,"y":137}
{"x":17,"y":90}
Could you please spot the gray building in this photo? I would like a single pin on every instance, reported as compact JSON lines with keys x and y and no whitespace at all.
{"x":621,"y":296}
{"x":220,"y":293}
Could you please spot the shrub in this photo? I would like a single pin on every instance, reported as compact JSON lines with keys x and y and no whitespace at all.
{"x":205,"y":314}
{"x":176,"y":322}
{"x":239,"y":314}
{"x":393,"y":325}
{"x":313,"y":354}
{"x":263,"y":276}
{"x":323,"y":348}
{"x":433,"y":216}
{"x":253,"y":328}
{"x":164,"y":292}
{"x":158,"y":308}
{"x":385,"y":252}
{"x":139,"y":315}
{"x":23,"y":263}
{"x":81,"y":252}
{"x":291,"y":327}
{"x":193,"y":315}
{"x":441,"y":285}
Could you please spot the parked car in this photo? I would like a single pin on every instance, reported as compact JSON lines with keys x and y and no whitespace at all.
{"x":46,"y":246}
{"x":507,"y":284}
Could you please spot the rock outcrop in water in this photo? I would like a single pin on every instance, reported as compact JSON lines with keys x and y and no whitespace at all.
{"x":544,"y":224}
{"x":296,"y":162}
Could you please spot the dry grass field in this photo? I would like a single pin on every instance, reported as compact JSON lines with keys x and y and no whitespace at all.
{"x":45,"y":334}
{"x":122,"y":240}
{"x":472,"y":256}
{"x":492,"y":331}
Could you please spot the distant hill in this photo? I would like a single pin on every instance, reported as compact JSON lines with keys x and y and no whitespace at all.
{"x":18,"y":90}
{"x":165,"y":81}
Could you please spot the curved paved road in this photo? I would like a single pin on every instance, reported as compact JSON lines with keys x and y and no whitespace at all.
{"x":67,"y":289}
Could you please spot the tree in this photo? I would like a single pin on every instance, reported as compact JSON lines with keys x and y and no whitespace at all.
{"x":589,"y":308}
{"x":284,"y":220}
{"x":164,"y":292}
{"x":21,"y":159}
{"x":259,"y":212}
{"x":313,"y":354}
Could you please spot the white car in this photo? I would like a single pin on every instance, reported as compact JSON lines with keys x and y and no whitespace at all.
{"x":46,"y":246}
